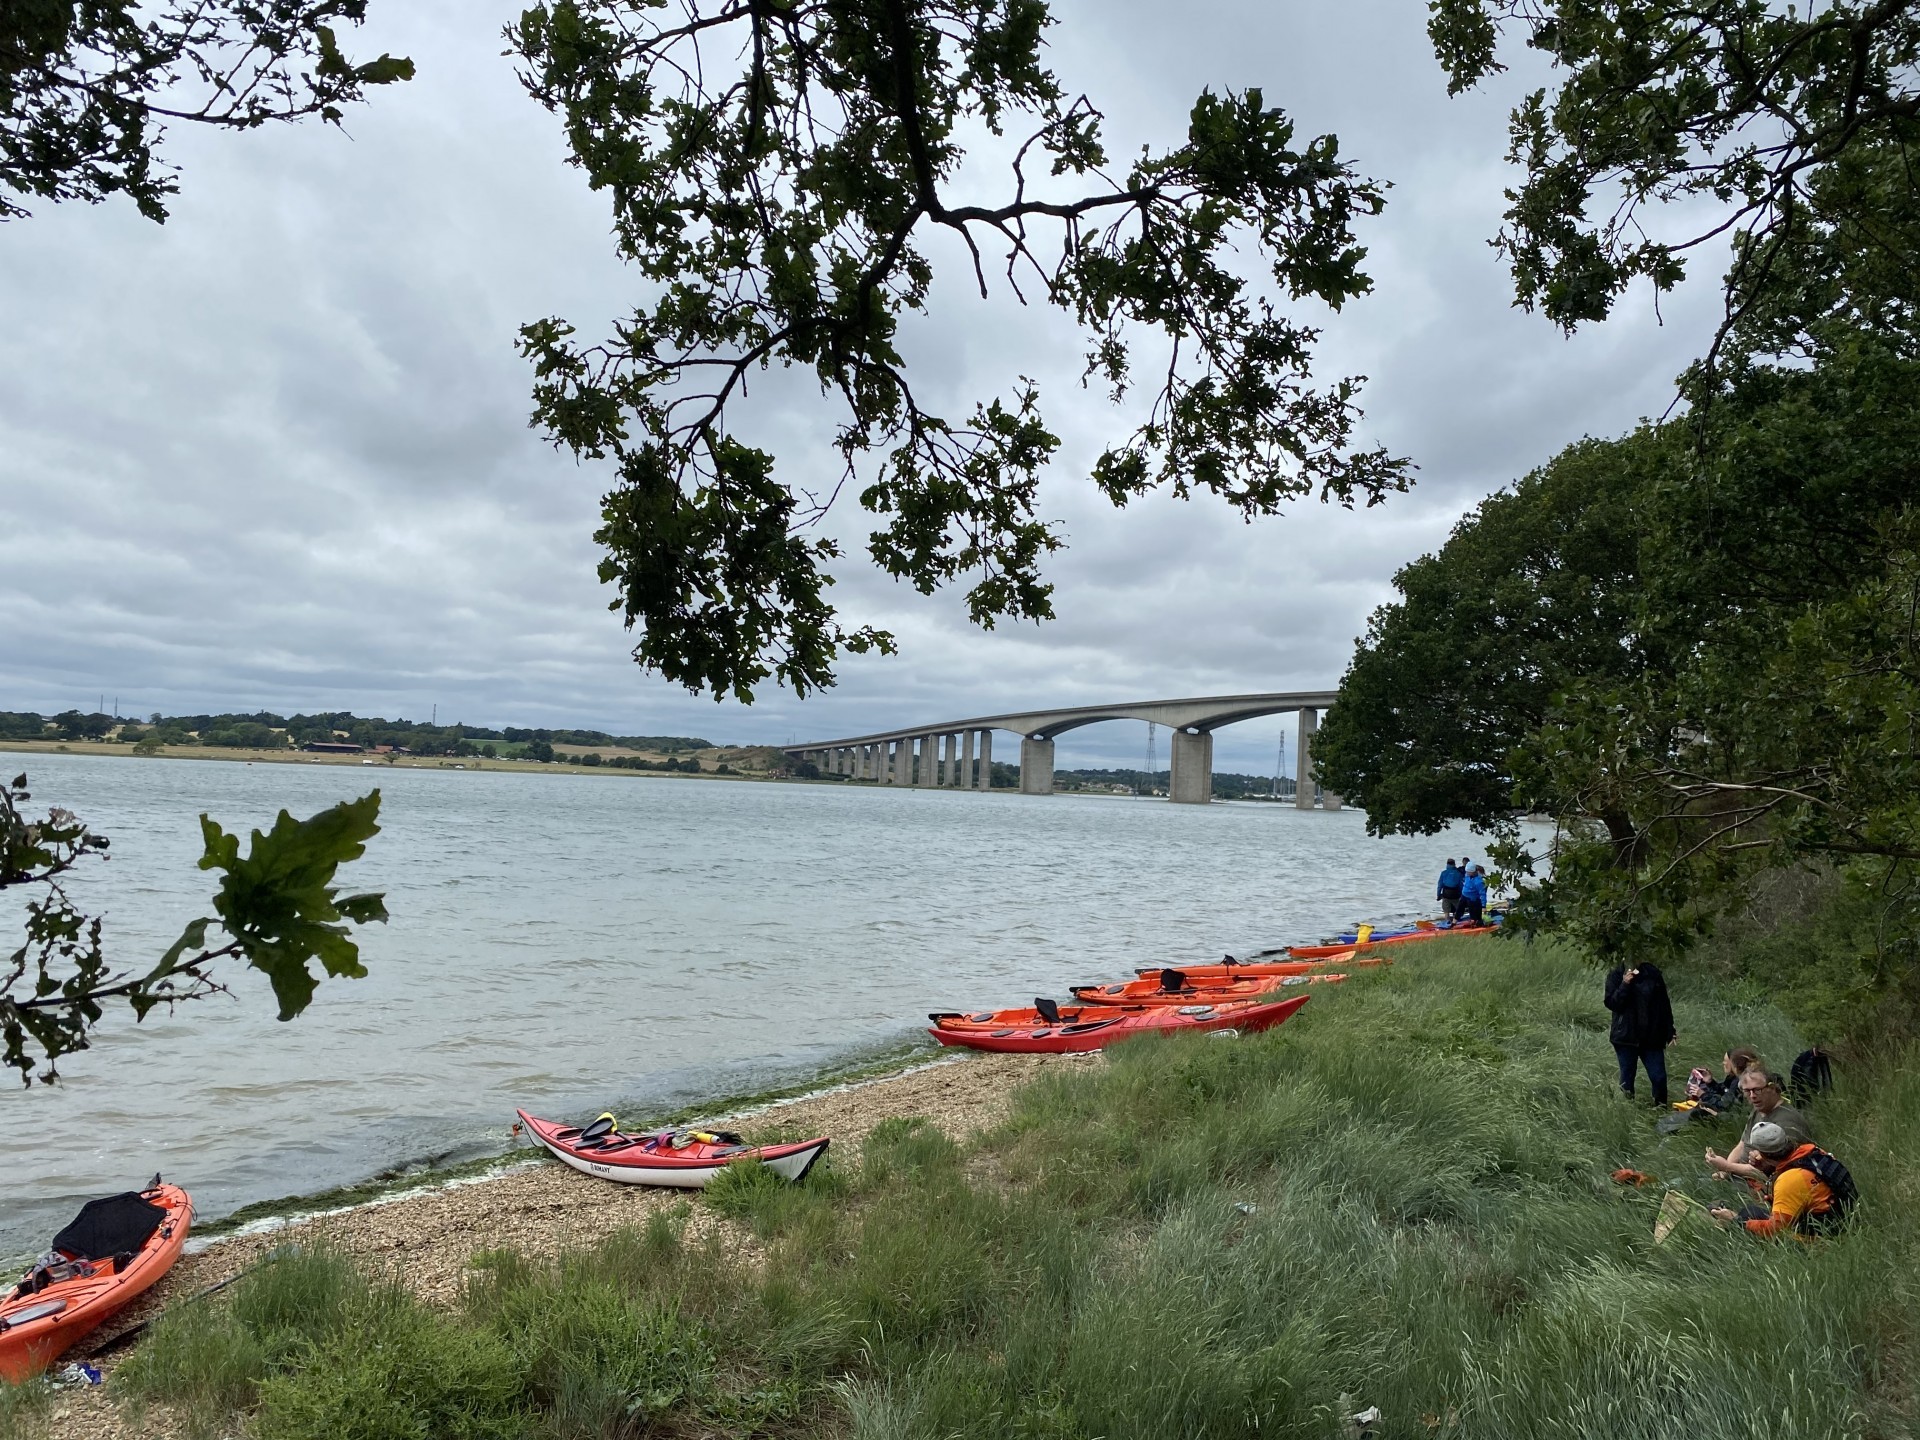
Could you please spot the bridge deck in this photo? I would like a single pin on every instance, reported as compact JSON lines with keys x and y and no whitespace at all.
{"x":1201,"y":713}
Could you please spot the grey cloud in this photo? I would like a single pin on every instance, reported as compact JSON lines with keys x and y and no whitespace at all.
{"x":275,"y":453}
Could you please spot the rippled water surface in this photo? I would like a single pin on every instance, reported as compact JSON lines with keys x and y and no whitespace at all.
{"x":567,"y":942}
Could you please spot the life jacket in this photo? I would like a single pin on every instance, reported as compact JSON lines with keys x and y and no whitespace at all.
{"x":1842,"y":1193}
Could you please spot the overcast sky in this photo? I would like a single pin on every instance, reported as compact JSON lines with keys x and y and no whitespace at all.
{"x":274,"y":454}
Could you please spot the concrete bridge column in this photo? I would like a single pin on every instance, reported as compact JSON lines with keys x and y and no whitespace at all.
{"x":949,"y":749}
{"x":863,"y":762}
{"x":1303,"y":786}
{"x":1190,"y":763}
{"x":965,"y":778}
{"x":1036,"y":765}
{"x":986,"y":759}
{"x":903,"y":761}
{"x":928,"y":777}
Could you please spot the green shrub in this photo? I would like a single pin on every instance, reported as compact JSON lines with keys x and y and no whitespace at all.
{"x":396,"y":1370}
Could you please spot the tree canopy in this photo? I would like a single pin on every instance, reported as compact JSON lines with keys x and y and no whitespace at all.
{"x":1724,"y":679}
{"x":1533,"y":594}
{"x":87,"y":87}
{"x":777,"y":172}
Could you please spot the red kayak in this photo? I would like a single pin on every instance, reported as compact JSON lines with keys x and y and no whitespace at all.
{"x":112,"y":1252}
{"x":684,"y":1158}
{"x":1269,"y":970}
{"x":1177,"y":987}
{"x":1048,"y":1029}
{"x":1347,"y":947}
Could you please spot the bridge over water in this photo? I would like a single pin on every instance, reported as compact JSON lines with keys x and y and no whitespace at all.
{"x":959,"y":753}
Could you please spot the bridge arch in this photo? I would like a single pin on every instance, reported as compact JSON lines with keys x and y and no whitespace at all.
{"x":946,"y":753}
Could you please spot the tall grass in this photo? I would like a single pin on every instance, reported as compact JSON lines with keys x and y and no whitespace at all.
{"x":1400,"y":1199}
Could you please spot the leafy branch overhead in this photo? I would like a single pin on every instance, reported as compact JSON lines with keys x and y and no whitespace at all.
{"x":87,"y":89}
{"x":1733,"y":112}
{"x":779,"y":172}
{"x":276,"y":906}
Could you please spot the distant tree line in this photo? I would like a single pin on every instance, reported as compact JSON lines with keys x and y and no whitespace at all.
{"x":1226,"y":785}
{"x":264,"y":730}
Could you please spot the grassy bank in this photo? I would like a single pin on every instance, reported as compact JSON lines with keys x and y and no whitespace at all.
{"x":1401,"y":1199}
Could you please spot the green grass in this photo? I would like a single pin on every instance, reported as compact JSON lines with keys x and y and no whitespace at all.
{"x":1399,"y":1199}
{"x":23,"y":1409}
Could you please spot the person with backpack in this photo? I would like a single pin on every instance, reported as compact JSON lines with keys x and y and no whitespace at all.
{"x":1811,"y":1193}
{"x":1447,"y":892}
{"x":1642,"y":1026}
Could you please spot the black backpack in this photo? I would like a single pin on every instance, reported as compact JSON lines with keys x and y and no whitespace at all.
{"x":1812,"y":1073}
{"x":1839,"y":1182}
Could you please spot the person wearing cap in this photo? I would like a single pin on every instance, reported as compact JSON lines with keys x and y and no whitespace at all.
{"x":1760,"y":1088}
{"x":1447,"y":892}
{"x":1796,"y":1195}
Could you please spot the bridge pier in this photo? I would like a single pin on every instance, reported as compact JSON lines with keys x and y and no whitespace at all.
{"x":1303,"y":786}
{"x":1036,"y":765}
{"x":927,"y":778}
{"x":1190,"y":760}
{"x":986,"y":760}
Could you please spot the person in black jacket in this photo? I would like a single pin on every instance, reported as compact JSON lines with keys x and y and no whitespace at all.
{"x":1642,"y":1025}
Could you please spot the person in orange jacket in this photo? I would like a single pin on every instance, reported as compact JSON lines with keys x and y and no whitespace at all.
{"x":1799,"y":1197}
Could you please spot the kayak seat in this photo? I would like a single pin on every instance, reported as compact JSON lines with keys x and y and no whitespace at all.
{"x":1173,"y":982}
{"x":1046,"y":1010}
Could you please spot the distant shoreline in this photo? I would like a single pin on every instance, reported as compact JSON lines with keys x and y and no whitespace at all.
{"x":383,"y":762}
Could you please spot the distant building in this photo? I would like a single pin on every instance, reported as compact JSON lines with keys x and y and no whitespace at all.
{"x":332,"y":747}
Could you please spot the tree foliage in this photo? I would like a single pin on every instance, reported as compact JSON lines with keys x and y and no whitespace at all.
{"x":1741,"y":118}
{"x":1532,"y":595}
{"x":780,"y":173}
{"x":1740,"y":695}
{"x":276,"y":906}
{"x":87,"y":87}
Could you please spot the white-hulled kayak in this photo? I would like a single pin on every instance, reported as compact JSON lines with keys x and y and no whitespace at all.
{"x":657,"y":1160}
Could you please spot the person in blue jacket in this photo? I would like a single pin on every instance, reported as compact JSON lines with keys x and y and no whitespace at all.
{"x":1448,"y":891}
{"x":1473,"y":896}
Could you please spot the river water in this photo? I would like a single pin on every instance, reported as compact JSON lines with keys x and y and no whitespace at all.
{"x":571,"y":942}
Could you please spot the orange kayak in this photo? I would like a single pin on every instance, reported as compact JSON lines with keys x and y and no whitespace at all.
{"x":1344,"y":948}
{"x":1271,"y":970}
{"x":1052,"y":1029}
{"x":111,"y":1253}
{"x":1176,"y":987}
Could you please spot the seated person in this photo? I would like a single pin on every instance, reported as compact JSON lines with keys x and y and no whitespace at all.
{"x":1798,"y":1198}
{"x":1760,"y":1088}
{"x":1721,"y":1093}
